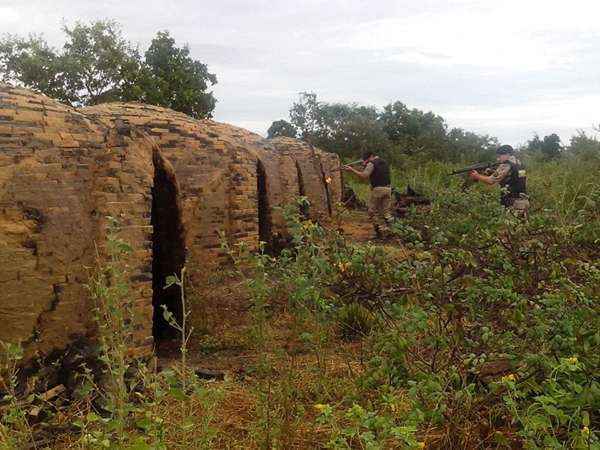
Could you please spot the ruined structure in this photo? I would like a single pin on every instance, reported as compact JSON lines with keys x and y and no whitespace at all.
{"x":176,"y":185}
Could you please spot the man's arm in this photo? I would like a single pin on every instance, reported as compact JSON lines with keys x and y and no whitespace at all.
{"x":364,"y":174}
{"x":499,"y":174}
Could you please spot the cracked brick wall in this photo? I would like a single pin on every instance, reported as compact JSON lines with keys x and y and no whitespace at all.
{"x":60,"y":176}
{"x":63,"y":171}
{"x":216,"y":166}
{"x":319,"y":171}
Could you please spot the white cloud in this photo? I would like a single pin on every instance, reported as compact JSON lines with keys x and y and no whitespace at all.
{"x":8,"y":15}
{"x":507,"y":68}
{"x":517,"y":123}
{"x":518,"y":36}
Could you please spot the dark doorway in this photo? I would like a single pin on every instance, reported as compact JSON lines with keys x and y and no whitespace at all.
{"x":304,"y":207}
{"x":168,"y":247}
{"x":264,"y":213}
{"x":326,"y":182}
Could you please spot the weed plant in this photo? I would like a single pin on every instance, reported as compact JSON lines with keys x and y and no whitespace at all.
{"x":475,"y":330}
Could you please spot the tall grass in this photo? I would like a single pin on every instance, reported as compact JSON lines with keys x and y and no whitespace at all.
{"x":561,"y":188}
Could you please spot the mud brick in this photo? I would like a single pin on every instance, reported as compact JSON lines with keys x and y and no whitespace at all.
{"x":207,"y":171}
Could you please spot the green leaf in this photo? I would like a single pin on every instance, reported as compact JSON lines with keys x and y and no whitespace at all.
{"x":144,"y":424}
{"x":585,"y":418}
{"x":177,"y":394}
{"x":171,"y":280}
{"x":188,"y":424}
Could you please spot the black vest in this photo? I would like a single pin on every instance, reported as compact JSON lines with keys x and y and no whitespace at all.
{"x":380,"y":177}
{"x":513,"y":184}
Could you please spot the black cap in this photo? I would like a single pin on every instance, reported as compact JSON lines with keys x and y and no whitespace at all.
{"x":505,"y":150}
{"x":367,"y":154}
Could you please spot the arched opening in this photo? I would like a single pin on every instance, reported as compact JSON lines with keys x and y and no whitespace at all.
{"x":168,"y":248}
{"x":304,"y":208}
{"x":326,"y":182}
{"x":264,"y":213}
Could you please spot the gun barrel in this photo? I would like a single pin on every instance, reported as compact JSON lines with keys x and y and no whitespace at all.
{"x":476,"y":167}
{"x":349,"y":164}
{"x":354,"y":162}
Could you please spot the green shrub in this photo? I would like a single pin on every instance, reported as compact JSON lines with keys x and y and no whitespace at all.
{"x":354,"y":321}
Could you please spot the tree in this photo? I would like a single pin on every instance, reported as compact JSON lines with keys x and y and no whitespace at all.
{"x":34,"y":64}
{"x":92,"y":67}
{"x":173,"y":79}
{"x":346,"y":129}
{"x":96,"y":64}
{"x":466,"y":145}
{"x":305,"y":116}
{"x":413,"y":129}
{"x":281,"y":128}
{"x":550,"y":147}
{"x":585,"y":147}
{"x":349,"y":129}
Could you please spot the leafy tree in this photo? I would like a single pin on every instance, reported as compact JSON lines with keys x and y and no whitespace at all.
{"x":34,"y":64}
{"x":281,"y":128}
{"x":173,"y":79}
{"x":347,"y":129}
{"x":351,"y":129}
{"x":549,"y":147}
{"x":411,"y":128}
{"x":466,"y":145}
{"x":92,"y":67}
{"x":96,"y":64}
{"x":585,"y":147}
{"x":305,"y":116}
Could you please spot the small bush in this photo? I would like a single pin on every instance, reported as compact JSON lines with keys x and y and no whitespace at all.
{"x":354,"y":321}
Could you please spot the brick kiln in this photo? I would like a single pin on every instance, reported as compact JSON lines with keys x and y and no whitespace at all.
{"x":174,"y":183}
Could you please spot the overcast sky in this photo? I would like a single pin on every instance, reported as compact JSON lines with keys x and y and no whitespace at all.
{"x":507,"y":68}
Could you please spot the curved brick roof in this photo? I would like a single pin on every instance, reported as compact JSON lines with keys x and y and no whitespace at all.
{"x":61,"y":174}
{"x":63,"y":171}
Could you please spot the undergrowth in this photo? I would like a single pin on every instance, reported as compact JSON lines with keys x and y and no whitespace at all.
{"x":474,"y":330}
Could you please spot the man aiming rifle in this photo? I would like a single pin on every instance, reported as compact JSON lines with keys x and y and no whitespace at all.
{"x":377,"y":171}
{"x":482,"y":168}
{"x":510,"y":175}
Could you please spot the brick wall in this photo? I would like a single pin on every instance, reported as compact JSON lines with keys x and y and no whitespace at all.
{"x":62,"y":171}
{"x":60,"y":175}
{"x":319,"y":171}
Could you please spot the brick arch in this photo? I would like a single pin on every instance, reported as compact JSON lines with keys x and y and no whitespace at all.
{"x":318,"y":174}
{"x":168,"y":246}
{"x":281,"y":189}
{"x":47,"y":154}
{"x":330,"y":166}
{"x":61,"y":175}
{"x":216,"y":171}
{"x":63,"y":171}
{"x":265,"y":219}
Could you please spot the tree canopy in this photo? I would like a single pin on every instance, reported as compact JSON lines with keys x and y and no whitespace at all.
{"x":349,"y":129}
{"x":97,"y":64}
{"x":549,"y":147}
{"x":282,"y":128}
{"x":584,"y":146}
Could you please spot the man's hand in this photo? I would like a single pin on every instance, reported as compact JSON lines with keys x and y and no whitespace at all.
{"x":347,"y":168}
{"x":474,"y":175}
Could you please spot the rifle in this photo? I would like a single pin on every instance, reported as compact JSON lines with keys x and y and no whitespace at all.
{"x":478,"y":167}
{"x":349,"y":164}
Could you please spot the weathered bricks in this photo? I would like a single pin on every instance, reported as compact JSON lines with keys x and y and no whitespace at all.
{"x":63,"y":171}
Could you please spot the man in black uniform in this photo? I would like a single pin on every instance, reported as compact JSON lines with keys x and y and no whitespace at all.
{"x":510,"y":175}
{"x":377,"y":171}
